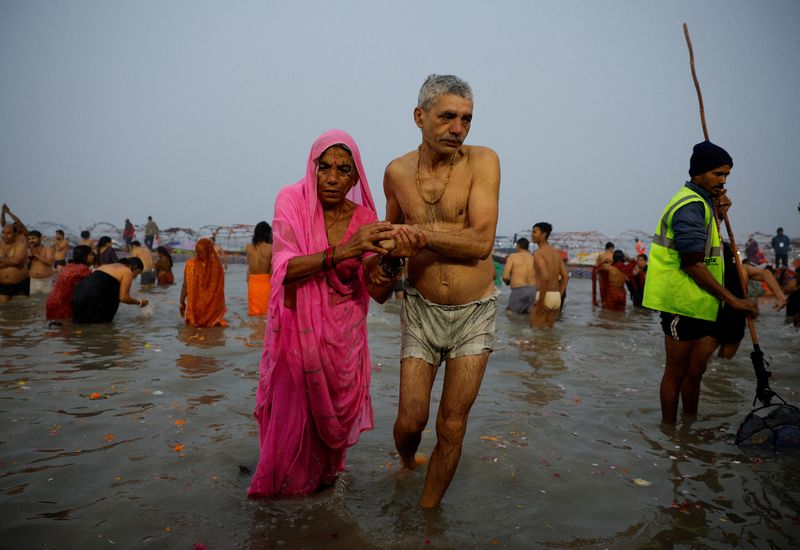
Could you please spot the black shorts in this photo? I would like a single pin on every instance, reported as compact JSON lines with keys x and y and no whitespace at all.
{"x":22,"y":288}
{"x":729,"y":327}
{"x":682,"y":328}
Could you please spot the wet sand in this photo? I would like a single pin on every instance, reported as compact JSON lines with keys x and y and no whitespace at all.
{"x":132,"y":435}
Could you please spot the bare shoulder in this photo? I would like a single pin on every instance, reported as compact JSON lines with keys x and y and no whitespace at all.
{"x":483,"y":161}
{"x":401,"y":166}
{"x":480,"y":153}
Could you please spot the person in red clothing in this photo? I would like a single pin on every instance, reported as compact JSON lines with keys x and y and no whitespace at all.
{"x":619,"y":273}
{"x":636,"y":284}
{"x":59,"y":302}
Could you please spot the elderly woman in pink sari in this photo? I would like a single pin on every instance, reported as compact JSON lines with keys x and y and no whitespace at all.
{"x":313,"y":397}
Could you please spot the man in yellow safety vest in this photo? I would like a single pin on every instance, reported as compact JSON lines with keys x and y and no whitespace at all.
{"x":685,"y":277}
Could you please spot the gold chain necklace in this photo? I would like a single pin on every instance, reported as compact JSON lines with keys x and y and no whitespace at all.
{"x":446,"y":179}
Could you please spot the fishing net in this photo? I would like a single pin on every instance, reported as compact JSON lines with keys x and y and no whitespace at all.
{"x":771,"y":428}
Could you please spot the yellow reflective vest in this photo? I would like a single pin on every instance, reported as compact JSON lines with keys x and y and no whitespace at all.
{"x":669,"y":288}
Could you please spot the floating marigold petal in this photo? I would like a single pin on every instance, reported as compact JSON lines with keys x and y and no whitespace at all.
{"x":95,"y":395}
{"x":109,"y":437}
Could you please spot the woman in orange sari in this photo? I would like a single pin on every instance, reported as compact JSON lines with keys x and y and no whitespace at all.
{"x":202,"y":301}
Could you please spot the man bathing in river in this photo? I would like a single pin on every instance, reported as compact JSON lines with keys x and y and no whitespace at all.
{"x":448,"y":191}
{"x":518,"y":274}
{"x":551,"y":276}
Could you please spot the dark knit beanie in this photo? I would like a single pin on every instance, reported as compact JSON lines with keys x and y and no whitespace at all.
{"x":707,"y":156}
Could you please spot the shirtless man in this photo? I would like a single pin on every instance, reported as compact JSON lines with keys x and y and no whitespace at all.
{"x":259,"y":268}
{"x":519,"y":274}
{"x":606,"y":256}
{"x":40,"y":264}
{"x":448,"y":193}
{"x":14,"y":276}
{"x":551,"y":276}
{"x":60,"y":249}
{"x":148,"y":277}
{"x":603,"y":258}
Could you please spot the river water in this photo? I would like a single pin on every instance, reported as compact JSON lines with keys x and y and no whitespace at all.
{"x":138,"y":434}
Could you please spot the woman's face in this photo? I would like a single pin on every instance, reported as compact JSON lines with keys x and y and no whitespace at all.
{"x":336,"y":175}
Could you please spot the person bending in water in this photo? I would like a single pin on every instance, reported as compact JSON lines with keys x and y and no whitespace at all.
{"x":59,"y":302}
{"x":97,"y":297}
{"x":728,"y":329}
{"x":448,"y":192}
{"x":685,"y":278}
{"x":519,"y":275}
{"x":551,"y":275}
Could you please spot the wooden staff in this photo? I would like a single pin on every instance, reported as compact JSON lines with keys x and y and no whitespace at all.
{"x":763,"y":391}
{"x":696,"y":83}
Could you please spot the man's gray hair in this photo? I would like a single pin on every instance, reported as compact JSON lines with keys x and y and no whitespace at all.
{"x":441,"y":84}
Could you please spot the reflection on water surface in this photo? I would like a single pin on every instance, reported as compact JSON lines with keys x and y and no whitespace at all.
{"x":140,"y":432}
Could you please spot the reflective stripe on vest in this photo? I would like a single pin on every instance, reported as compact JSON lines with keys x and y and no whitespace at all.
{"x":669,"y":288}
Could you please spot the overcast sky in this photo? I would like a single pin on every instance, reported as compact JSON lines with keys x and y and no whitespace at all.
{"x":199,"y":112}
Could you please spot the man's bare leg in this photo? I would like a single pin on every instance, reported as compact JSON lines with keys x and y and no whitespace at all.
{"x":538,"y":316}
{"x":416,"y":380}
{"x":552,"y":316}
{"x":698,"y":362}
{"x":678,"y":353}
{"x":462,"y":380}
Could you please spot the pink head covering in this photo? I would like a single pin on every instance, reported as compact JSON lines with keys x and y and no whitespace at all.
{"x":299,"y":206}
{"x":313,"y":393}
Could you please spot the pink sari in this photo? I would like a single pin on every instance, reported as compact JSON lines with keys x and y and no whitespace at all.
{"x":313,"y":391}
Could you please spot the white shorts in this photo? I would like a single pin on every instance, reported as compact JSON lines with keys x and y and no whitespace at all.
{"x":42,"y":286}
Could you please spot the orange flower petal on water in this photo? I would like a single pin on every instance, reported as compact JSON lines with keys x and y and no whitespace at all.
{"x":95,"y":395}
{"x":109,"y":437}
{"x":178,"y":448}
{"x":488,"y":438}
{"x":180,"y":422}
{"x":420,"y":458}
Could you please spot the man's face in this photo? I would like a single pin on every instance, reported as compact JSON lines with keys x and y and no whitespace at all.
{"x":336,"y":175}
{"x":8,"y":234}
{"x":641,"y":262}
{"x":34,"y":241}
{"x":536,"y":235}
{"x":446,"y":124}
{"x":59,"y":237}
{"x":713,"y":181}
